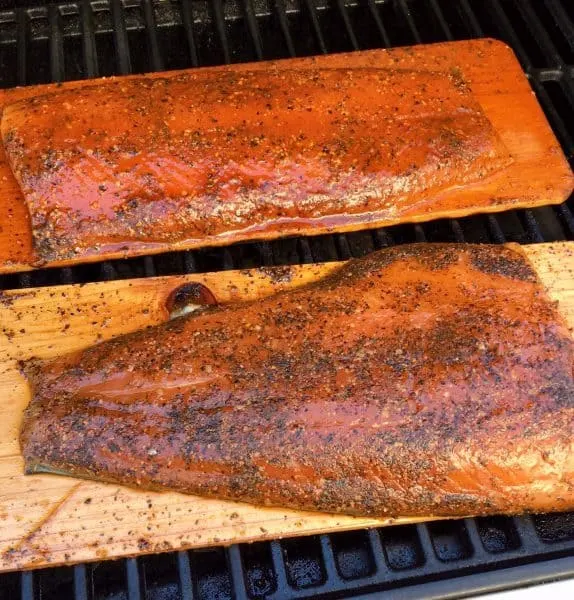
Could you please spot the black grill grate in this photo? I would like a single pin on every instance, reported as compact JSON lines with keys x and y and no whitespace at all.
{"x":413,"y":561}
{"x":44,"y":41}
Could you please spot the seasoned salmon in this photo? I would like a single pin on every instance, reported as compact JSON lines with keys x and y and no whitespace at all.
{"x":214,"y":155}
{"x":421,"y":380}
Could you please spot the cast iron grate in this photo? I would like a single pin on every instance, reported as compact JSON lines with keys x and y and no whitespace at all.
{"x":45,"y":41}
{"x":410,"y":560}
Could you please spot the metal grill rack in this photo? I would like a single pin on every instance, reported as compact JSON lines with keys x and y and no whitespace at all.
{"x":443,"y":559}
{"x":45,"y":41}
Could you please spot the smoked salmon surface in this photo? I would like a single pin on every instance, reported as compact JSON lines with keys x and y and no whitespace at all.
{"x":149,"y":162}
{"x":421,"y":380}
{"x":144,"y":164}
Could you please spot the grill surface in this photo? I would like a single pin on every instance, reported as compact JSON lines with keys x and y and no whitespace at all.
{"x":42,"y":42}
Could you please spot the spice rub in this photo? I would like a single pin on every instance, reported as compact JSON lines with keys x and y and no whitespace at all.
{"x":210,"y":156}
{"x":421,"y":380}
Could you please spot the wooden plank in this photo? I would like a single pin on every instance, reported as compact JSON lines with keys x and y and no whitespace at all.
{"x":539,"y":174}
{"x":47,"y":520}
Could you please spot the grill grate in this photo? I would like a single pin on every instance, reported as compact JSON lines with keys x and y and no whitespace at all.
{"x":480,"y":554}
{"x":44,"y":41}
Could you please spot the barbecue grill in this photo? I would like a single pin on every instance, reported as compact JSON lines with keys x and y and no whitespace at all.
{"x":44,"y":41}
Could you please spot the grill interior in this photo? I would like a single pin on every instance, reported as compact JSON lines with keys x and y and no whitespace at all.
{"x":43,"y":41}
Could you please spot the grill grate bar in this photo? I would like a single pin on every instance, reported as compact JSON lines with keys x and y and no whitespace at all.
{"x":149,"y":267}
{"x":184,"y":576}
{"x":67,"y":275}
{"x":228,"y":262}
{"x":342,"y":8}
{"x":343,"y":246}
{"x":539,"y":33}
{"x":278,"y":562}
{"x":470,"y":18}
{"x":566,"y":84}
{"x":24,"y":280}
{"x":89,"y":40}
{"x":108,"y":271}
{"x":377,"y":553}
{"x":253,"y":28}
{"x":561,"y":19}
{"x":133,"y":579}
{"x":382,"y":238}
{"x":495,"y":230}
{"x":478,"y":551}
{"x":532,"y":226}
{"x":281,"y":13}
{"x":189,"y":263}
{"x":329,"y":562}
{"x":427,"y":546}
{"x":457,"y":231}
{"x":27,"y":585}
{"x":410,"y":21}
{"x":306,"y":254}
{"x":510,"y":35}
{"x":526,"y":532}
{"x":80,"y":583}
{"x":265,"y":254}
{"x":156,"y":59}
{"x":379,"y":23}
{"x":187,"y":20}
{"x":56,"y":44}
{"x":234,"y":561}
{"x":330,"y":250}
{"x":312,"y":13}
{"x":21,"y":47}
{"x":123,"y":57}
{"x":544,"y":75}
{"x":441,"y":20}
{"x":219,"y":18}
{"x":555,"y":118}
{"x":565,"y":214}
{"x":420,"y":235}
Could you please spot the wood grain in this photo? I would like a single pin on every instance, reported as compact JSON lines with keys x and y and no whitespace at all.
{"x":47,"y":520}
{"x":539,"y":174}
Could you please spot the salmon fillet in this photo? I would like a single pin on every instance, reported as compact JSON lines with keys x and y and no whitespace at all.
{"x":421,"y":380}
{"x":211,"y":156}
